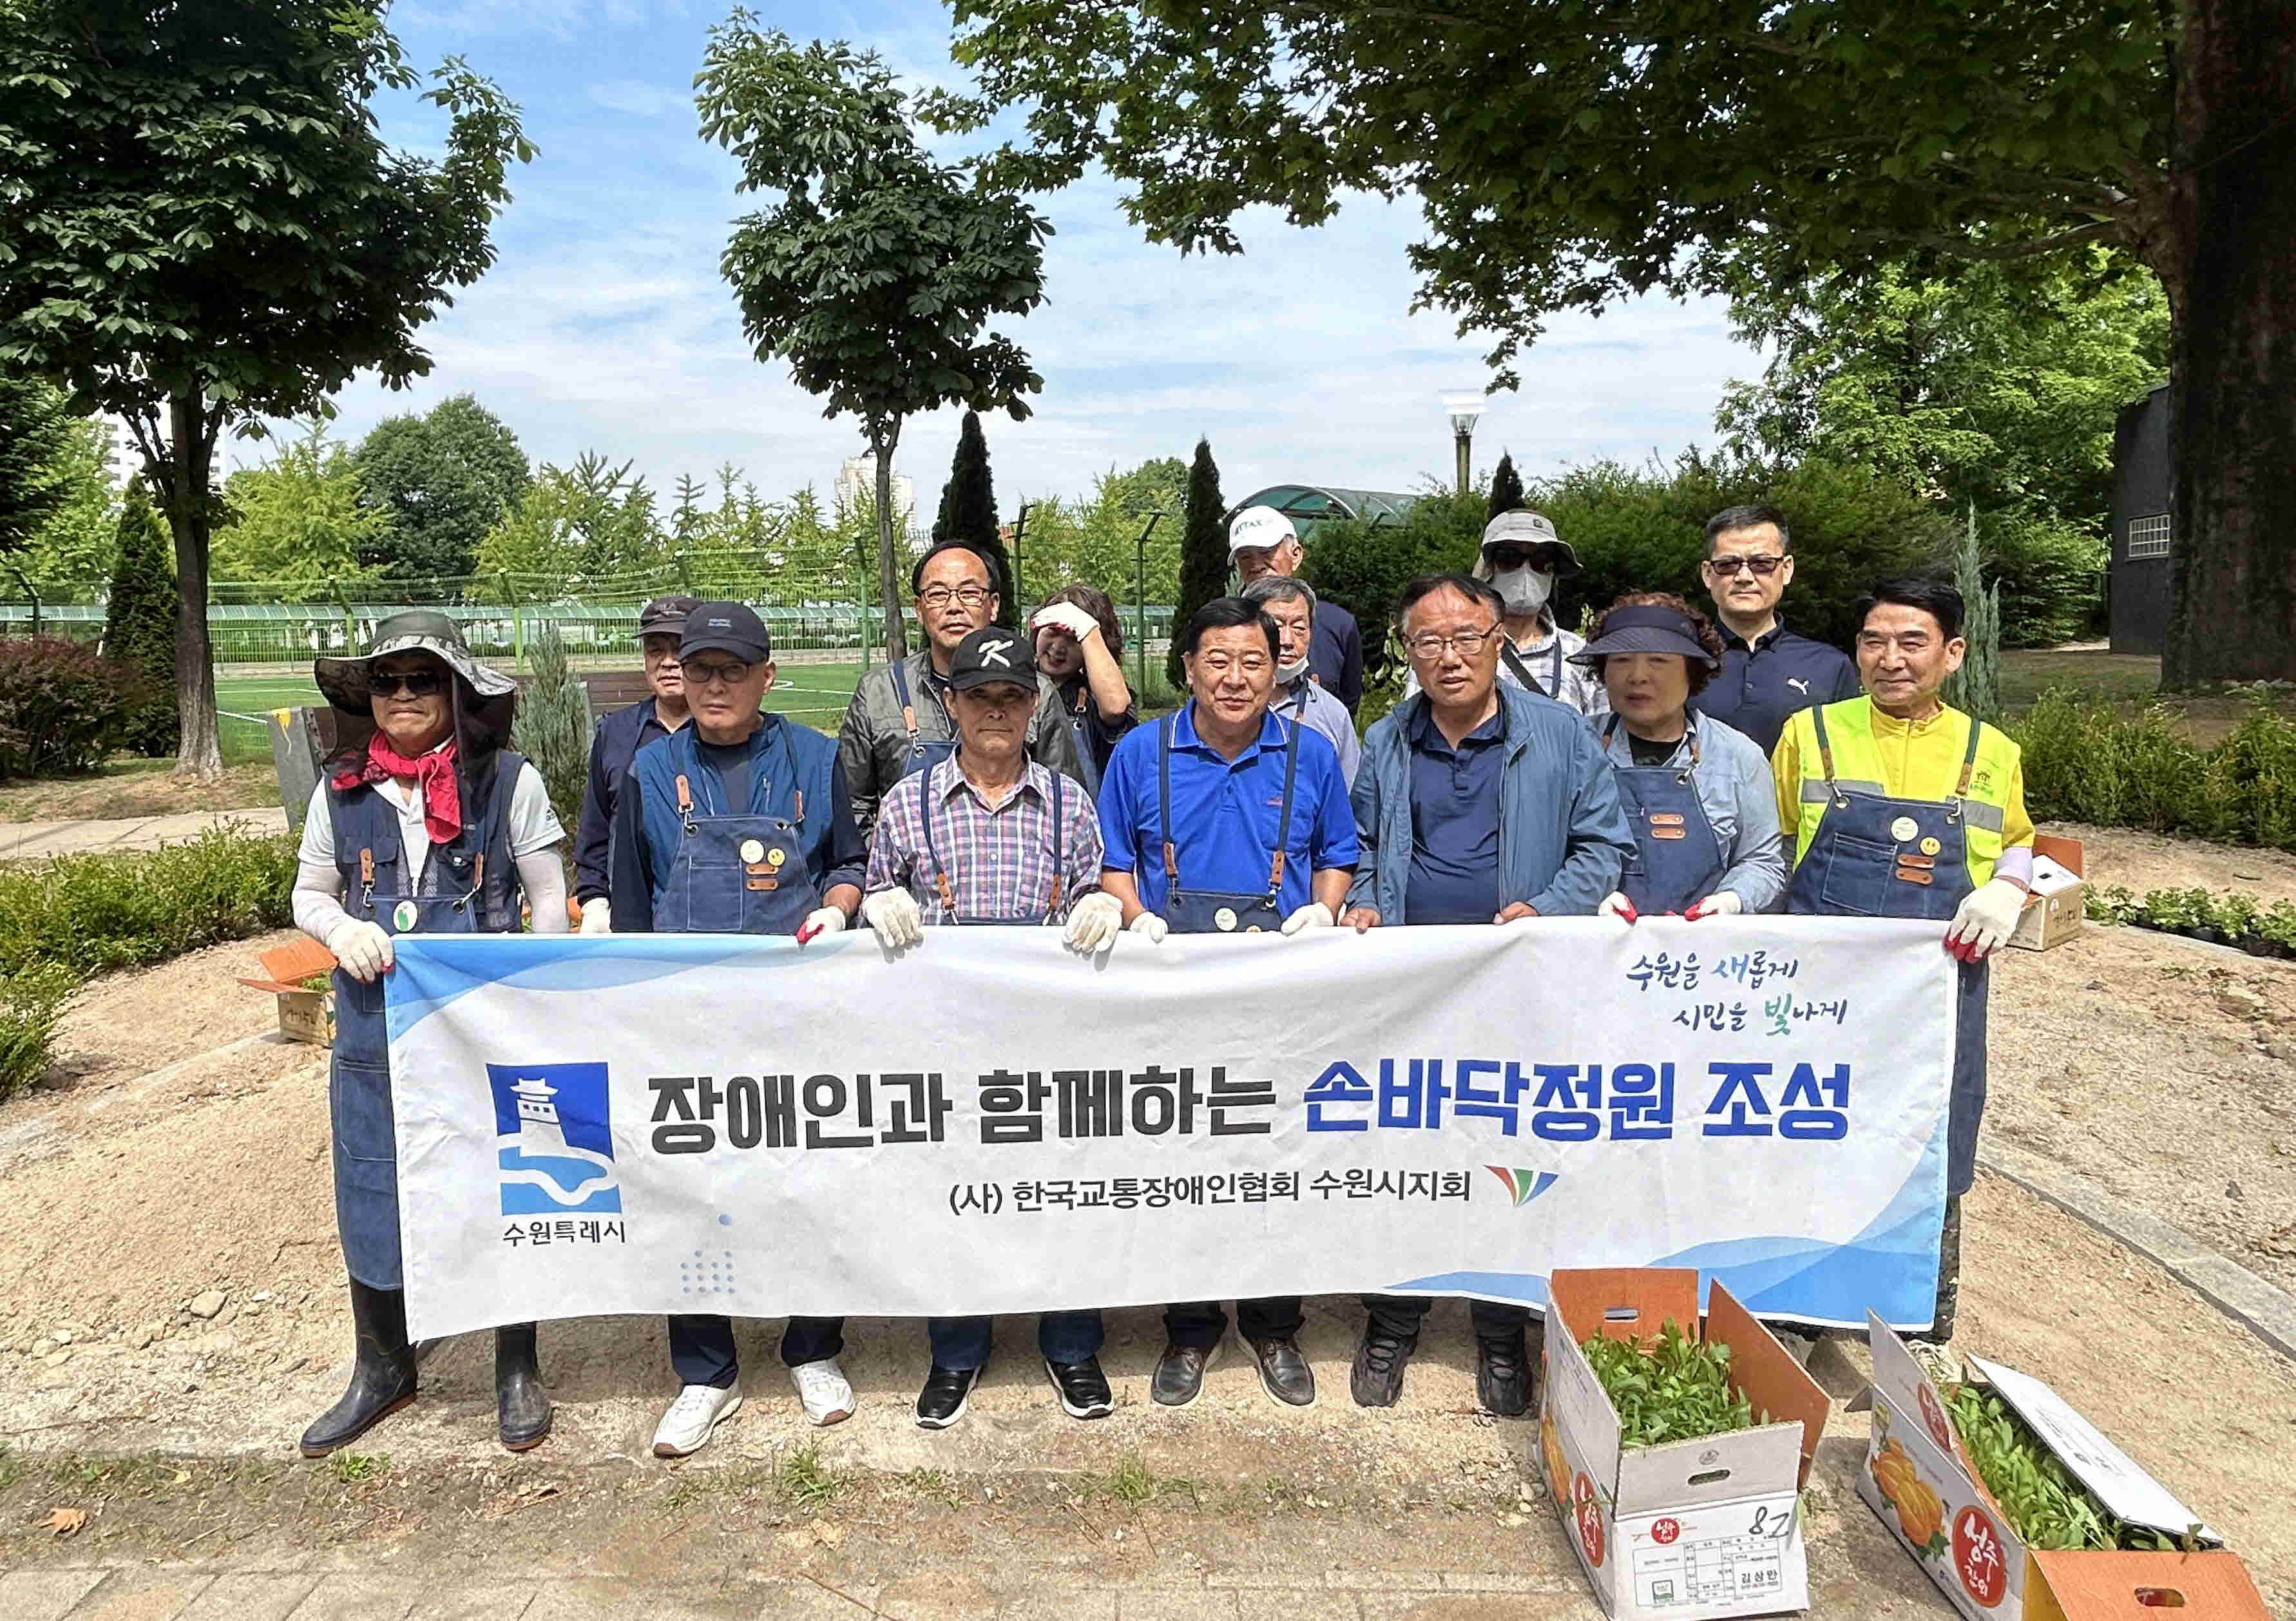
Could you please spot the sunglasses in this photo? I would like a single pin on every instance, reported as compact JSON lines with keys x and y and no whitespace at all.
{"x":413,"y":683}
{"x":1728,"y":568}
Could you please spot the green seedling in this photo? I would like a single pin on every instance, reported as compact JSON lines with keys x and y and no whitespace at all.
{"x":1676,"y":1390}
{"x":2045,"y":1504}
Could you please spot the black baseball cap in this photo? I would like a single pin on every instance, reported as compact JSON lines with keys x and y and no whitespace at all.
{"x":992,"y":654}
{"x":725,"y":627}
{"x":665,"y":616}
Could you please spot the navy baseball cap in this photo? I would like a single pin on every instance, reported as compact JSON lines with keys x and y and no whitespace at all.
{"x":726,"y":627}
{"x":992,"y":654}
{"x":665,"y":616}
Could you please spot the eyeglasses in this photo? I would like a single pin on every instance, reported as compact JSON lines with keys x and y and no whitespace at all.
{"x":1729,"y":567}
{"x":1428,"y":647}
{"x":731,"y":675}
{"x":413,"y":683}
{"x":941,"y":596}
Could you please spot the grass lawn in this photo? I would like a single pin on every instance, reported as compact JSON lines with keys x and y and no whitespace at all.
{"x":2131,"y":680}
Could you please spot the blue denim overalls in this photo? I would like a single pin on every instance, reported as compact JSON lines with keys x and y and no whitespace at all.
{"x":1023,"y":912}
{"x":733,"y":873}
{"x":468,"y":886}
{"x":1874,"y":855}
{"x":1677,"y":855}
{"x":1214,"y":911}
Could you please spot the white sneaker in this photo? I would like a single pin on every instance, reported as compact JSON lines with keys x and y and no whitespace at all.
{"x":698,"y":1411}
{"x":821,"y":1386}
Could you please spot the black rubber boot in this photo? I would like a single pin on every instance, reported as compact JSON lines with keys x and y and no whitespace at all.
{"x":382,"y":1371}
{"x":521,"y":1406}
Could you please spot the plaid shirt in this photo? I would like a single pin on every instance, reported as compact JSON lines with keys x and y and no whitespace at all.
{"x":999,"y":860}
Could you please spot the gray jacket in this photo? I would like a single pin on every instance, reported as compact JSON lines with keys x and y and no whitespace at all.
{"x":874,"y":743}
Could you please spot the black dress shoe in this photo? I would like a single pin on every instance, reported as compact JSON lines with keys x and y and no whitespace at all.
{"x":1284,"y":1372}
{"x":521,"y":1404}
{"x":941,"y":1402}
{"x":1503,"y":1376}
{"x":1377,"y":1380}
{"x":1180,"y":1373}
{"x":382,"y":1371}
{"x":1082,"y":1388}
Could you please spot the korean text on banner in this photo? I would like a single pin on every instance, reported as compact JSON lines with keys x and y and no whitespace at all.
{"x":666,"y":1123}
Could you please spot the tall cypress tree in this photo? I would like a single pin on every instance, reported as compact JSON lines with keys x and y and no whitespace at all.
{"x":139,"y":625}
{"x":1975,"y":688}
{"x":1204,"y":553}
{"x":1506,"y":489}
{"x":968,"y":512}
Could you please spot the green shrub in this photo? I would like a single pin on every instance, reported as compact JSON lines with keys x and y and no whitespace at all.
{"x":2084,"y":761}
{"x":61,"y":706}
{"x":31,"y":1006}
{"x":139,"y":624}
{"x":2050,"y":572}
{"x":552,"y":727}
{"x":123,"y":910}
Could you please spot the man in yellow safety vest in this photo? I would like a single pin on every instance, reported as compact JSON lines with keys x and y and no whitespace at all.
{"x":1899,"y":807}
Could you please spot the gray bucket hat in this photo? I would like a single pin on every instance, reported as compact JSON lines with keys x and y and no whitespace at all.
{"x":418,"y":630}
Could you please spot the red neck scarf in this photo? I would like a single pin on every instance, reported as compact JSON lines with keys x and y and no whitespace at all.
{"x":434,"y":772}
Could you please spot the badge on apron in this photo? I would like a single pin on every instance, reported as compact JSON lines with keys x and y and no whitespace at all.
{"x":752,"y":850}
{"x":403,"y":916}
{"x":776,"y":857}
{"x":1225,"y":918}
{"x":1904,"y":827}
{"x":1931,"y":846}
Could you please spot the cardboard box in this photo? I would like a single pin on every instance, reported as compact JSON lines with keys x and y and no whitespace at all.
{"x":2058,"y":904}
{"x":1685,"y":1530}
{"x":303,"y":1015}
{"x":1919,"y":1480}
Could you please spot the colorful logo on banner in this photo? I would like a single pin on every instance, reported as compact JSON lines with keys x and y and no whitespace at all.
{"x":552,"y":1139}
{"x":1522,"y":1184}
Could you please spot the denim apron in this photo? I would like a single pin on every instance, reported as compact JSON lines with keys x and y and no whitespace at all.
{"x":1877,"y":857}
{"x":1080,"y":728}
{"x":924,"y":752}
{"x":733,"y":873}
{"x":1677,"y":855}
{"x":468,"y":886}
{"x":1214,"y":911}
{"x":1023,"y":912}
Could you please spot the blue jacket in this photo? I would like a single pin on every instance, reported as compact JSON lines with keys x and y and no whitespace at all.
{"x":613,"y":744}
{"x":1563,"y":836}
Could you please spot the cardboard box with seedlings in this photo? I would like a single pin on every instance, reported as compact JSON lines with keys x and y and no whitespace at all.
{"x":1922,"y":1479}
{"x":1683,"y":1530}
{"x":304,"y":1013}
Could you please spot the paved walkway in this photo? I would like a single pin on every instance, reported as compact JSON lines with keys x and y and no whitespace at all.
{"x":27,"y":841}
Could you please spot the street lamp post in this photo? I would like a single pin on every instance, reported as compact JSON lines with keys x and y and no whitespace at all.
{"x":1463,"y":409}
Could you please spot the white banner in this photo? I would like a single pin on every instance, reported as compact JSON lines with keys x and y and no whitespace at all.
{"x":710,"y":1123}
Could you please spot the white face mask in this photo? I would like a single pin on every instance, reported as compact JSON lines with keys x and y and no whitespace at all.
{"x":1524,"y":590}
{"x":1289,"y":672}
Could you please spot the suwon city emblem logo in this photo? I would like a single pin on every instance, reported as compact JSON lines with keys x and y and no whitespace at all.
{"x":552,"y":1139}
{"x":1522,"y":1184}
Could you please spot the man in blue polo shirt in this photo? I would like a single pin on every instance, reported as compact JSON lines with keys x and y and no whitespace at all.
{"x":615,"y":744}
{"x":1224,"y":818}
{"x":1478,"y":802}
{"x":1768,"y":672}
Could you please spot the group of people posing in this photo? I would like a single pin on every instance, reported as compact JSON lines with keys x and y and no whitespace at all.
{"x":1663,"y":763}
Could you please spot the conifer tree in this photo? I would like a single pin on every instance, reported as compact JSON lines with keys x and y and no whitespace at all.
{"x":968,"y":513}
{"x":1975,"y":688}
{"x":1506,"y":489}
{"x":139,"y":625}
{"x":1204,"y":553}
{"x":552,"y":727}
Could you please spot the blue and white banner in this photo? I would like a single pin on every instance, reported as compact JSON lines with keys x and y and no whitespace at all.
{"x":989,"y":1122}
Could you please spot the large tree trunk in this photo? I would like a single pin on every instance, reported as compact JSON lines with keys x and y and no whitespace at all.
{"x":888,"y":576}
{"x":190,"y":460}
{"x":2233,"y":607}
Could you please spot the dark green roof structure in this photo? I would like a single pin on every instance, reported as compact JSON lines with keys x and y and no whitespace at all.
{"x":1313,"y":502}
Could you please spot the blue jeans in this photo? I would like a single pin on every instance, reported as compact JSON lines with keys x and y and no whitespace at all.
{"x":962,"y":1343}
{"x":701,"y":1348}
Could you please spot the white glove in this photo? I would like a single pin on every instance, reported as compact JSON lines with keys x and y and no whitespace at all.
{"x":1617,"y":905}
{"x":893,"y":913}
{"x":1722,"y":903}
{"x":828,"y":919}
{"x":1094,"y":922}
{"x":363,"y":949}
{"x":1150,"y":925}
{"x":597,"y":915}
{"x":1315,"y":914}
{"x":1066,"y":616}
{"x":1982,"y":923}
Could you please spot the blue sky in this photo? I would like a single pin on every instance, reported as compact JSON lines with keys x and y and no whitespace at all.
{"x":605,"y":325}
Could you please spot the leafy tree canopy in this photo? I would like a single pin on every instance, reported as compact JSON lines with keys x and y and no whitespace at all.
{"x":299,"y":523}
{"x":57,"y":503}
{"x":443,"y":480}
{"x":1569,"y":155}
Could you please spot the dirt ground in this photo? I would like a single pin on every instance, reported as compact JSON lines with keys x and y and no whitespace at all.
{"x":174,"y":1287}
{"x":126,"y":788}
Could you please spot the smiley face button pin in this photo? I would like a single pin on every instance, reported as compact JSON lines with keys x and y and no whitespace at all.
{"x":1904,"y":828}
{"x":776,"y":857}
{"x":752,"y":850}
{"x":1931,"y":846}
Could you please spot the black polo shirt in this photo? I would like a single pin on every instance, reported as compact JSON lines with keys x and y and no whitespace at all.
{"x":1758,"y":687}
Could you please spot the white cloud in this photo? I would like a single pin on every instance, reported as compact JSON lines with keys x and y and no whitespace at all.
{"x":644,"y":101}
